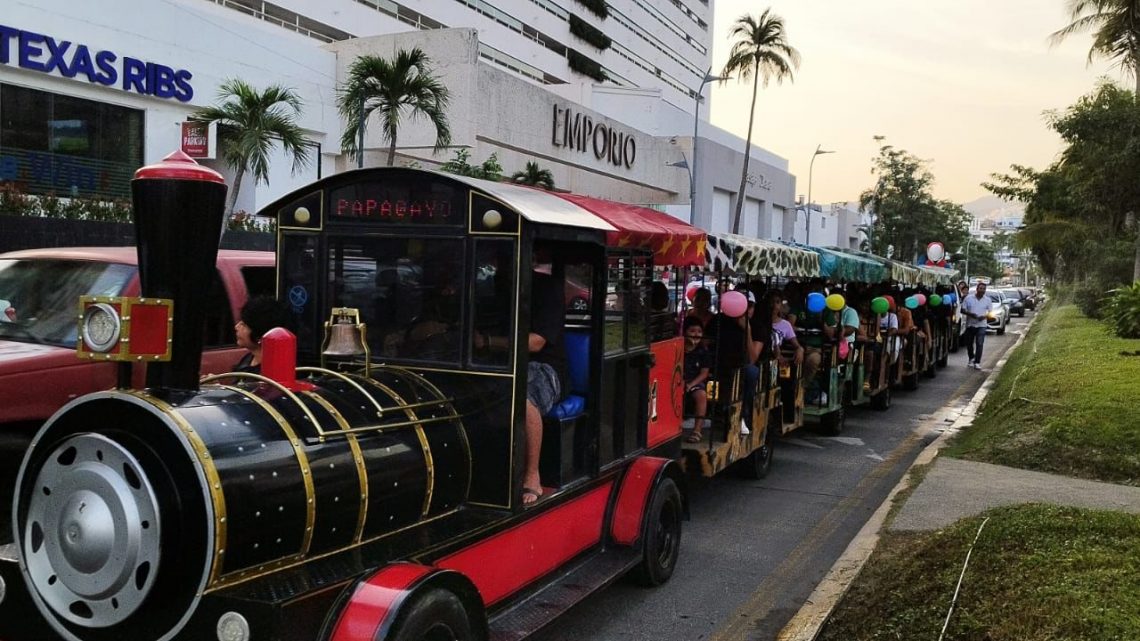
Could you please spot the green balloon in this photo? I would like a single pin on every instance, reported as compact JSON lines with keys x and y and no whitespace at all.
{"x":935,"y":300}
{"x":880,"y":305}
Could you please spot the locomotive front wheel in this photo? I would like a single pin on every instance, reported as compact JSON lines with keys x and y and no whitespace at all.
{"x":435,"y":615}
{"x":662,"y":535}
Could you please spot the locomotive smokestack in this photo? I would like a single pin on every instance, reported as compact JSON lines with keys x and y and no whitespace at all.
{"x":178,"y":210}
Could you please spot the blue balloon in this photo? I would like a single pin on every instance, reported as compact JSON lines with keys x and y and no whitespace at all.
{"x":950,"y":298}
{"x":816,"y":302}
{"x":911,"y":302}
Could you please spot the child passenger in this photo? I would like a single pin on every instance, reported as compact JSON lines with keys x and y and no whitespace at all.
{"x":697,"y":360}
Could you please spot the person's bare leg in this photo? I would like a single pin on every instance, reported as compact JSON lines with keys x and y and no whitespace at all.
{"x":531,"y":478}
{"x":701,"y":405}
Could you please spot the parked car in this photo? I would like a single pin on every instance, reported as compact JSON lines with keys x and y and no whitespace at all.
{"x":1016,"y":301}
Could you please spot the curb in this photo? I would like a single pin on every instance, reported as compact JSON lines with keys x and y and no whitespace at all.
{"x":807,"y":623}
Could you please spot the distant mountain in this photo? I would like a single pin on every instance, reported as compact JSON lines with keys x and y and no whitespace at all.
{"x":992,"y":208}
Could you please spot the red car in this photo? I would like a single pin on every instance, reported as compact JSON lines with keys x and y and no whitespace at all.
{"x":39,"y":291}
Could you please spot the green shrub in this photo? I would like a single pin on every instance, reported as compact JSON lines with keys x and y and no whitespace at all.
{"x":1122,"y":311}
{"x":589,"y":33}
{"x":1088,"y":295}
{"x":586,"y":66}
{"x":596,"y":7}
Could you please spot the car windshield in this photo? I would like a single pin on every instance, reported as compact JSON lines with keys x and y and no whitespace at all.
{"x":994,"y":297}
{"x":38,"y":298}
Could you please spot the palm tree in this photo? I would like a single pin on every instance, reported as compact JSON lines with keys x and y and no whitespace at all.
{"x":1116,"y":31}
{"x":761,"y":53}
{"x":250,"y":123}
{"x":404,"y":86}
{"x":534,"y":176}
{"x":1116,"y":36}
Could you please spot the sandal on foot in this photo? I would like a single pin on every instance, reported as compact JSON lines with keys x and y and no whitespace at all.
{"x":694,"y":437}
{"x":531,"y":491}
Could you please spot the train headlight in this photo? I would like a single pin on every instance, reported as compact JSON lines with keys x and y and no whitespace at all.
{"x":233,"y":627}
{"x":101,"y":327}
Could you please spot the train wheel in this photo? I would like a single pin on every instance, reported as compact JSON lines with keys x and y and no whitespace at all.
{"x":910,"y":382}
{"x":662,"y":535}
{"x":882,"y":400}
{"x":832,"y":424}
{"x":435,"y":615}
{"x":757,"y":464}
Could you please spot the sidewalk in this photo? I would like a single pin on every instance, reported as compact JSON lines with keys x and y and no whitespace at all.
{"x":952,"y":489}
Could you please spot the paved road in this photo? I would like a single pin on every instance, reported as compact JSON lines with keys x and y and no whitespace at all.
{"x":754,"y":550}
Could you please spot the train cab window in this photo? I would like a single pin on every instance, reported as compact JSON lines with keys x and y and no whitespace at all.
{"x":617,"y":291}
{"x":259,"y":281}
{"x":637,"y":303}
{"x":219,"y":317}
{"x":408,"y":291}
{"x":493,"y":310}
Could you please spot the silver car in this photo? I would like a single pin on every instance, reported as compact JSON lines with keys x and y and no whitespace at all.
{"x":998,"y":317}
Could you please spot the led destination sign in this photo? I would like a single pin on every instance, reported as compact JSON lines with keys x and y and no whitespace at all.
{"x":406,"y":202}
{"x":38,"y":52}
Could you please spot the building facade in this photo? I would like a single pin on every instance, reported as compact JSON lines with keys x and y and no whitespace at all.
{"x":90,"y":93}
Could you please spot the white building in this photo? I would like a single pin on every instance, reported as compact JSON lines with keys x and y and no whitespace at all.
{"x":91,"y":91}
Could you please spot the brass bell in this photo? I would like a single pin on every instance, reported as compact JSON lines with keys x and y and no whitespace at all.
{"x":344,"y":336}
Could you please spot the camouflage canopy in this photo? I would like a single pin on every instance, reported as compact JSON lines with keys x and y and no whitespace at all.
{"x":758,"y":257}
{"x":898,"y":272}
{"x":847,"y":268}
{"x":933,"y":275}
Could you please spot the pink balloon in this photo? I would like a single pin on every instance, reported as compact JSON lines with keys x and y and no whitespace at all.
{"x":733,"y":304}
{"x":921,"y":298}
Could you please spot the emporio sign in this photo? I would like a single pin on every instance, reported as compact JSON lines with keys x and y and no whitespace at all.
{"x":580,"y":133}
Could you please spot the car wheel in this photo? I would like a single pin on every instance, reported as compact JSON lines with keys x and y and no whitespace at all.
{"x":882,"y":400}
{"x":579,"y":304}
{"x":832,"y":424}
{"x":1001,"y":329}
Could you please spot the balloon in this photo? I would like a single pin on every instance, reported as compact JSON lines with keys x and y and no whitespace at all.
{"x":879,"y":305}
{"x":952,"y":297}
{"x":835,"y":302}
{"x":911,"y":302}
{"x":935,"y":252}
{"x":891,"y":305}
{"x":816,"y":302}
{"x":733,"y":304}
{"x":691,"y":292}
{"x":921,"y":298}
{"x":935,"y":300}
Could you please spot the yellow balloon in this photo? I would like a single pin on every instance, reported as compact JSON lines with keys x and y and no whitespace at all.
{"x":835,"y":302}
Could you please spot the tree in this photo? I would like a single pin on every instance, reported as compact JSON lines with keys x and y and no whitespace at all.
{"x":534,"y":176}
{"x":1080,"y":212}
{"x":906,"y":214}
{"x":403,"y":87}
{"x":490,"y":169}
{"x":760,"y":53}
{"x":249,"y":124}
{"x":1116,"y":31}
{"x":1116,"y":36}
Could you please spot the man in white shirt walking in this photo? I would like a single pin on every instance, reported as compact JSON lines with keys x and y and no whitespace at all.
{"x":976,"y":307}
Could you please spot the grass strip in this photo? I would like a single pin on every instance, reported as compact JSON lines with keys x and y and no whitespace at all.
{"x":1037,"y":573}
{"x":1065,"y":403}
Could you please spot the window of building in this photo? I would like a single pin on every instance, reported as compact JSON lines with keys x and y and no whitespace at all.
{"x":66,"y":146}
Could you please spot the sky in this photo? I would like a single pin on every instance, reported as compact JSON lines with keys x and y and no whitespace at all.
{"x":963,"y":84}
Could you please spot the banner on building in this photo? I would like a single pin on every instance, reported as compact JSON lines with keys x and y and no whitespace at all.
{"x":199,"y":139}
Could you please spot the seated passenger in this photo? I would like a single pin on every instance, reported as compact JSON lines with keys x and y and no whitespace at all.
{"x":696,"y":374}
{"x":545,"y":370}
{"x":782,"y":331}
{"x":702,"y":307}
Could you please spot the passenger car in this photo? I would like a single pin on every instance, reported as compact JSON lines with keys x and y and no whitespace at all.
{"x":998,"y":317}
{"x":1016,"y":301}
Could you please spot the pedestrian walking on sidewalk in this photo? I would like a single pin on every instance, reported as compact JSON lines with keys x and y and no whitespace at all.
{"x":976,"y":307}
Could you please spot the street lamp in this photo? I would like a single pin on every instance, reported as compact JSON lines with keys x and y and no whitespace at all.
{"x":684,"y":164}
{"x":968,"y":241}
{"x":811,"y":166}
{"x":696,"y":122}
